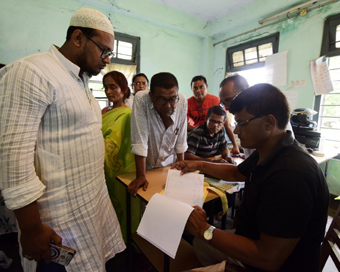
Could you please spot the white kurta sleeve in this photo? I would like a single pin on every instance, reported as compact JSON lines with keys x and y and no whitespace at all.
{"x":24,"y":97}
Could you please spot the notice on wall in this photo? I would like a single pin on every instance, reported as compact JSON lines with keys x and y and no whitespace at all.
{"x":276,"y":69}
{"x":320,"y":76}
{"x":297,"y":83}
{"x":292,"y":97}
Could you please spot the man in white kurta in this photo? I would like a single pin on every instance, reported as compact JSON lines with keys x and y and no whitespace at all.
{"x":52,"y":152}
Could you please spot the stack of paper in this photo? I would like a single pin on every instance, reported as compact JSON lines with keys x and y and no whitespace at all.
{"x":165,"y":215}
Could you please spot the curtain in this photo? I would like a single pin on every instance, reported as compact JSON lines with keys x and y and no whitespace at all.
{"x":127,"y":70}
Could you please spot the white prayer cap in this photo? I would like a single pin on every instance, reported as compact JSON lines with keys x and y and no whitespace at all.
{"x":92,"y":18}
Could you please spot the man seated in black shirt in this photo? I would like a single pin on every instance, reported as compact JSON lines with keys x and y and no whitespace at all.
{"x":284,"y":211}
{"x":207,"y":142}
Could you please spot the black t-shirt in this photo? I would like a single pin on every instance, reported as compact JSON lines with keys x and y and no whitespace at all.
{"x":286,"y":196}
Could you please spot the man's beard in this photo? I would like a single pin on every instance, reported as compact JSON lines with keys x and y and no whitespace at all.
{"x":83,"y":64}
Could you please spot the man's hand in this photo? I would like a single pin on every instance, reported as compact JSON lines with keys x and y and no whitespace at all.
{"x":235,"y":150}
{"x":136,"y":184}
{"x":186,"y":166}
{"x":35,"y":242}
{"x":197,"y":222}
{"x":228,"y":160}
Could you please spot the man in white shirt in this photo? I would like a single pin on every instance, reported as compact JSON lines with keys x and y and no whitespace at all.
{"x":52,"y":151}
{"x":158,"y":127}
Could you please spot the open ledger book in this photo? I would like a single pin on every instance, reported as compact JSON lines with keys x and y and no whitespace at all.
{"x":165,"y":215}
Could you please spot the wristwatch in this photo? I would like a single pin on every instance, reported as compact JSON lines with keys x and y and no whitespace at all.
{"x":208,"y":234}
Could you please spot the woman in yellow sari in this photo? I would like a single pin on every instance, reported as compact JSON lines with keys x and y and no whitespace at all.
{"x":118,"y":156}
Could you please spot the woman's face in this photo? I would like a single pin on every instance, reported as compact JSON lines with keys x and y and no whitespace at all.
{"x":140,"y":84}
{"x":112,"y":90}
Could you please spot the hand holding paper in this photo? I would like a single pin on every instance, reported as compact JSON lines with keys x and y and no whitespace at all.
{"x":166,"y":215}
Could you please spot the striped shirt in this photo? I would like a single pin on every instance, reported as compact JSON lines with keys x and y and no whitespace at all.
{"x":52,"y":151}
{"x":149,"y":137}
{"x":201,"y":144}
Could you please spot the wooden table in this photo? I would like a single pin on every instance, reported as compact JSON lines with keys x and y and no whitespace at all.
{"x":329,"y":154}
{"x":156,"y":178}
{"x":185,"y":258}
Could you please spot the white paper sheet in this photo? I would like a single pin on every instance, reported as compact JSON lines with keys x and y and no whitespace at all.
{"x":292,"y":97}
{"x":187,"y":188}
{"x":297,"y":83}
{"x":320,"y":76}
{"x":163,"y":223}
{"x":276,"y":69}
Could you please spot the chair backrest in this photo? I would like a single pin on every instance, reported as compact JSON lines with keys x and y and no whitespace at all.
{"x":331,"y":243}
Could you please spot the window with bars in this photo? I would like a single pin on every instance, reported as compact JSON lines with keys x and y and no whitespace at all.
{"x":328,"y":105}
{"x":252,"y":54}
{"x":126,"y":49}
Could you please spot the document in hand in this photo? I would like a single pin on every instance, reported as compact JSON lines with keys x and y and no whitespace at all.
{"x":165,"y":217}
{"x":187,"y":188}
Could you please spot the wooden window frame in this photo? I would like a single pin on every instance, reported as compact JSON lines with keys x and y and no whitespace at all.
{"x":273,"y":38}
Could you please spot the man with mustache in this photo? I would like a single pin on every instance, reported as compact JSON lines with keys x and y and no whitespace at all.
{"x":207,"y":142}
{"x":158,"y":127}
{"x":284,"y":211}
{"x":199,"y":104}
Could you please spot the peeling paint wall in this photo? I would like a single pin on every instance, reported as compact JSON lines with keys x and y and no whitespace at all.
{"x":301,"y":37}
{"x":177,"y":44}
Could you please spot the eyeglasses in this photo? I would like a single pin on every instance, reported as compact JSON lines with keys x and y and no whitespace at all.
{"x":241,"y":124}
{"x":227,"y":101}
{"x":219,"y":123}
{"x":105,"y":53}
{"x":171,"y":101}
{"x":141,"y":83}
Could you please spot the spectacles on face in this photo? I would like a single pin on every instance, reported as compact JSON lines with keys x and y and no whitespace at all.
{"x":242,"y":124}
{"x":230,"y":99}
{"x":171,"y":101}
{"x":227,"y":101}
{"x":213,"y":122}
{"x":141,"y":83}
{"x":105,"y":53}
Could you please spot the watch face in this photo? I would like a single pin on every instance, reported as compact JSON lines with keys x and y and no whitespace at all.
{"x":208,"y":235}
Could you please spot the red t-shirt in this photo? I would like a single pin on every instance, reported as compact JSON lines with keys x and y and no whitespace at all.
{"x":198,"y":113}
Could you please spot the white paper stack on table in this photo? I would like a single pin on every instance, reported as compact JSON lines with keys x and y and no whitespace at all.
{"x":165,"y":215}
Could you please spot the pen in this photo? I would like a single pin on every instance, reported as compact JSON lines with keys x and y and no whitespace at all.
{"x":238,"y":155}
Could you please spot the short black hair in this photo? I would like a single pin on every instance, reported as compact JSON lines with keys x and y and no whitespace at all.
{"x":196,"y":78}
{"x":88,"y":31}
{"x":218,"y":110}
{"x":163,"y":80}
{"x":263,"y":99}
{"x":240,"y":83}
{"x":138,"y":75}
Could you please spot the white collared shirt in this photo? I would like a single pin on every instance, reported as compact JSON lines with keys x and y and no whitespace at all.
{"x":52,"y":151}
{"x":149,"y":137}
